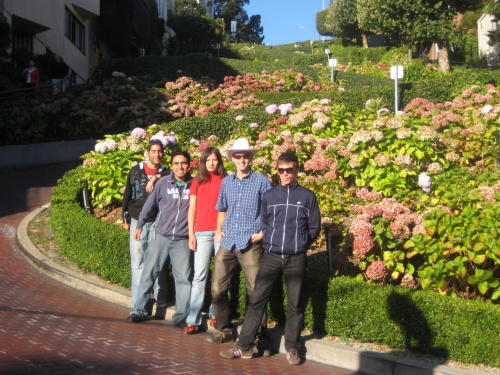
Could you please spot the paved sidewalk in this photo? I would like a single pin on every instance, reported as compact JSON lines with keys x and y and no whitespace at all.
{"x":47,"y":327}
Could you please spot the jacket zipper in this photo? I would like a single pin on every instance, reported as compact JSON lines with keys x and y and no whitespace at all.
{"x":178,"y":209}
{"x":284,"y":222}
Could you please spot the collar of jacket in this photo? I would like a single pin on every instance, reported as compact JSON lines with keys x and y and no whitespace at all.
{"x":292,"y":187}
{"x":172,"y":179}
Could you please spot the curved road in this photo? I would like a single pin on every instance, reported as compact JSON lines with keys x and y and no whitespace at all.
{"x":49,"y":328}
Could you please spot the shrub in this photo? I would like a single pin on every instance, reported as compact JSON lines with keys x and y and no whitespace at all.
{"x":413,"y":320}
{"x":91,"y":244}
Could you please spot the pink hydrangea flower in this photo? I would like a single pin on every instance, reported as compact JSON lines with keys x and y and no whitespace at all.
{"x":376,"y":270}
{"x":139,"y":133}
{"x":271,"y":109}
{"x":239,"y":117}
{"x":486,"y":109}
{"x":254,"y":125}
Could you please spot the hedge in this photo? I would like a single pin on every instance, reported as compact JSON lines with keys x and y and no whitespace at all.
{"x":93,"y":245}
{"x":403,"y":318}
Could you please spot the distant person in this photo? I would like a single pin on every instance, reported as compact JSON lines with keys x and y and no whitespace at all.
{"x":31,"y":79}
{"x":202,"y":222}
{"x":240,"y":237}
{"x":291,"y":222}
{"x":59,"y":71}
{"x":171,"y":198}
{"x":137,"y":189}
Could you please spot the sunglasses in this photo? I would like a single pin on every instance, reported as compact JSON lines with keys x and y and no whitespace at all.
{"x":238,"y":157}
{"x":287,"y":170}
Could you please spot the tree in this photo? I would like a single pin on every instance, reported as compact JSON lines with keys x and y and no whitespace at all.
{"x":248,"y":29}
{"x":341,"y":20}
{"x":189,"y":7}
{"x":420,"y":22}
{"x":193,"y":33}
{"x":321,"y":23}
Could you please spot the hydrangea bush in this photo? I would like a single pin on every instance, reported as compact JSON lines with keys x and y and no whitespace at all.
{"x":413,"y":195}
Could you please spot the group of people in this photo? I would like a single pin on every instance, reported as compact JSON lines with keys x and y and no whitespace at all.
{"x":238,"y":217}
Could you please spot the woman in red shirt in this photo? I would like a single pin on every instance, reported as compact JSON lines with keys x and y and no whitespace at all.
{"x":202,"y":222}
{"x":32,"y":78}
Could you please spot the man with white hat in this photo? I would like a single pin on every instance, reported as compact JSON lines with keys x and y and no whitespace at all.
{"x":238,"y":231}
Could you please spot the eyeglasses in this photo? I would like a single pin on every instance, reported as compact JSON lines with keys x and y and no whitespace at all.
{"x":287,"y":170}
{"x":238,"y":157}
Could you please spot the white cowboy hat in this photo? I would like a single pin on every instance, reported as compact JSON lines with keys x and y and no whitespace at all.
{"x":240,"y":145}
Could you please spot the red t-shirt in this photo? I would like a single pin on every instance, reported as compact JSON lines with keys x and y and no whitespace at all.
{"x":208,"y":193}
{"x":150,"y":171}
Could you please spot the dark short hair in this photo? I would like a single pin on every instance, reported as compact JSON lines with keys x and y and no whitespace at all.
{"x":154,"y":142}
{"x":183,"y":153}
{"x":288,"y":157}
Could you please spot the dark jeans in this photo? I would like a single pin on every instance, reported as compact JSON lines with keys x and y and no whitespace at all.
{"x":225,"y":266}
{"x":293,"y":270}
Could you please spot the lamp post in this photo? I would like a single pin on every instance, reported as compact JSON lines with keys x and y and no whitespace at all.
{"x":323,"y":9}
{"x":314,"y":37}
{"x":332,"y":63}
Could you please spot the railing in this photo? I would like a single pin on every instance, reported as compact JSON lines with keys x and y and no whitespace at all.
{"x":38,"y":92}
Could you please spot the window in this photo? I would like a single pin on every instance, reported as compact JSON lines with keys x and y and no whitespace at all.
{"x":74,"y":30}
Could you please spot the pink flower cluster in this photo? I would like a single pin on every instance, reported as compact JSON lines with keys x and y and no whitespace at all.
{"x":488,"y":192}
{"x":376,"y":271}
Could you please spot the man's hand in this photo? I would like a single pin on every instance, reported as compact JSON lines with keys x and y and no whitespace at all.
{"x":257,"y":237}
{"x":137,"y":234}
{"x":127,"y":227}
{"x":192,"y":243}
{"x":218,"y":236}
{"x":151,"y":184}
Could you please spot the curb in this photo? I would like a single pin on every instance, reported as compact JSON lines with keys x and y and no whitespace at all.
{"x":343,"y":356}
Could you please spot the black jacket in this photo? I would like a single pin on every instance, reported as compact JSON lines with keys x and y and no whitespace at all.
{"x":290,"y":220}
{"x":135,"y":193}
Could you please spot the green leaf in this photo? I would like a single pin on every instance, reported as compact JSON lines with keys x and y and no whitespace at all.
{"x":495,"y":295}
{"x":483,"y":287}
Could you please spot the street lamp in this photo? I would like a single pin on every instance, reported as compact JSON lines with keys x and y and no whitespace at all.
{"x":314,"y":37}
{"x":332,"y":63}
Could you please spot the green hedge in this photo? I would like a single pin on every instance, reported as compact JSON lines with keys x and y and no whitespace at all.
{"x":93,"y":245}
{"x":400,"y":317}
{"x":196,"y":66}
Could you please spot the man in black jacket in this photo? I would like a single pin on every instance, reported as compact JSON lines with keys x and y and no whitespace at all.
{"x":137,"y":188}
{"x":291,"y":222}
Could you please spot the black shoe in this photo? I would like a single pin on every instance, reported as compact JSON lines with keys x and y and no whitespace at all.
{"x":134,"y":318}
{"x":161,"y":312}
{"x":182,"y":324}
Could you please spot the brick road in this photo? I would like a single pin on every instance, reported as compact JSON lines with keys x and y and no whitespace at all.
{"x":47,"y":327}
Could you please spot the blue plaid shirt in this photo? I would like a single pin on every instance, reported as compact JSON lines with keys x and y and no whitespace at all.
{"x":241,"y":200}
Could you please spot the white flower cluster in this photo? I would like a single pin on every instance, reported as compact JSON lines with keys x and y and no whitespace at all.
{"x":424,"y":181}
{"x":434,"y":168}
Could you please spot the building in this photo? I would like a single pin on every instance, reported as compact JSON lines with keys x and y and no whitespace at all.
{"x":208,"y":5}
{"x":65,"y":27}
{"x":485,"y":24}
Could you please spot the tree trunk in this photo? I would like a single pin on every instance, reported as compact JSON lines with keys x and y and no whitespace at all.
{"x":365,"y":40}
{"x":444,"y":63}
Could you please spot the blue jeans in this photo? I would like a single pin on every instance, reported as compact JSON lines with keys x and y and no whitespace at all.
{"x":205,"y":246}
{"x":293,"y":270}
{"x":137,"y":255}
{"x":180,"y":257}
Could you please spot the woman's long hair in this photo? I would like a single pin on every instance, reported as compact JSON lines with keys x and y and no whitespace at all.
{"x":203,"y":173}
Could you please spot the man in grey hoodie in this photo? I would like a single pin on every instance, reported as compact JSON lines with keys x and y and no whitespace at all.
{"x":171,"y":197}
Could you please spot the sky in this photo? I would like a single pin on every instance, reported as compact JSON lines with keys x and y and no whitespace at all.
{"x":282,"y":19}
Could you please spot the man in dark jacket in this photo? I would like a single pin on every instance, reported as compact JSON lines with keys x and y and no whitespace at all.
{"x":291,"y":222}
{"x":171,"y":198}
{"x":137,"y":189}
